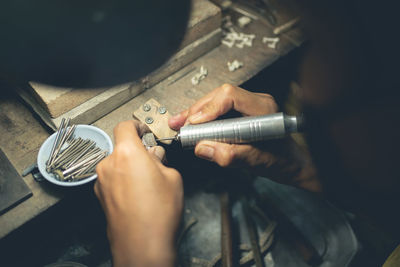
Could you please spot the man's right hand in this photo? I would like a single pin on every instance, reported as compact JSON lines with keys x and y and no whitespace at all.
{"x":216,"y":103}
{"x":273,"y":160}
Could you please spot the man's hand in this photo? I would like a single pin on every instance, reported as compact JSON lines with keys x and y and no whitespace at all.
{"x":142,"y":200}
{"x":216,"y":103}
{"x":273,"y":159}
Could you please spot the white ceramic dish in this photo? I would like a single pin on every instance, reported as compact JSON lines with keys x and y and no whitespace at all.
{"x":103,"y":141}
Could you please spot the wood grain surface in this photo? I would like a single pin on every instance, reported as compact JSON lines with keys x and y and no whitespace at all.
{"x":13,"y":189}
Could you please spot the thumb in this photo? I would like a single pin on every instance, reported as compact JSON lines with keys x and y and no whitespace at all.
{"x":220,"y":153}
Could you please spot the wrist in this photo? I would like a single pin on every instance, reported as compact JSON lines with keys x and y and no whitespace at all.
{"x":144,"y":255}
{"x":293,"y":165}
{"x":141,"y":249}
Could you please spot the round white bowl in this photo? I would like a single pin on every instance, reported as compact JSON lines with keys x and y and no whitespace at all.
{"x":103,"y":141}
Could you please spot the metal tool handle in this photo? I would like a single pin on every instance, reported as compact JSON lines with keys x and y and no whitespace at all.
{"x":240,"y":130}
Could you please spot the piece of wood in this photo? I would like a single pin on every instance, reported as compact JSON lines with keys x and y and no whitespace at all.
{"x":22,"y":133}
{"x":205,"y":17}
{"x":149,"y":113}
{"x":56,"y":100}
{"x":13,"y":189}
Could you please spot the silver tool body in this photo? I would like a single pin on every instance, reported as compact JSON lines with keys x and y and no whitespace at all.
{"x":240,"y":130}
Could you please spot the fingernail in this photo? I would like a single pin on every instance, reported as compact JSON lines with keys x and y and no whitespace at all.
{"x":175,"y":121}
{"x":175,"y":117}
{"x":205,"y":152}
{"x":196,"y":117}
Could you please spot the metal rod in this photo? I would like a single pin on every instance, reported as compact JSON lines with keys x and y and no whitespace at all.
{"x":82,"y":176}
{"x":226,"y":231}
{"x":75,"y":149}
{"x":79,"y":164}
{"x":91,"y":164}
{"x":81,"y":154}
{"x":62,"y":139}
{"x":252,"y":231}
{"x":73,"y":145}
{"x":166,"y":138}
{"x":55,"y":143}
{"x":88,"y":154}
{"x":286,"y":26}
{"x":87,"y":167}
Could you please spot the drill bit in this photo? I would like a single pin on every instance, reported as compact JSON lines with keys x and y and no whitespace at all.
{"x":167,"y":138}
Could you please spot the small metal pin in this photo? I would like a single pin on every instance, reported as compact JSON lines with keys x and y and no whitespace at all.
{"x":73,"y":168}
{"x":149,"y":120}
{"x":92,"y":164}
{"x":82,"y":176}
{"x":162,"y":110}
{"x":81,"y":154}
{"x":87,"y":167}
{"x":146,"y":107}
{"x":66,"y":153}
{"x":55,"y":143}
{"x":70,"y":150}
{"x":64,"y":135}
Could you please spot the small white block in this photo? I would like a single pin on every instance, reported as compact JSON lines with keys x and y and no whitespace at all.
{"x":243,"y":21}
{"x":196,"y":79}
{"x":234,"y":65}
{"x":228,"y":43}
{"x":226,"y":4}
{"x":271,"y":41}
{"x":240,"y":45}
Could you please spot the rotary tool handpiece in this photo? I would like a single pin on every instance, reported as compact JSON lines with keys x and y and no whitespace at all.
{"x":240,"y":130}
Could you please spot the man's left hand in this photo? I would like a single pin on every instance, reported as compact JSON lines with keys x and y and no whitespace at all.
{"x":142,"y":200}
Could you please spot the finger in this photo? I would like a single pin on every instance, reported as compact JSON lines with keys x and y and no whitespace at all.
{"x":174,"y":177}
{"x":96,"y":189}
{"x":141,"y":127}
{"x":98,"y":193}
{"x":180,"y":119}
{"x":127,"y":132}
{"x":196,"y":107}
{"x":221,"y":153}
{"x":229,"y":97}
{"x":158,"y":153}
{"x":177,"y":121}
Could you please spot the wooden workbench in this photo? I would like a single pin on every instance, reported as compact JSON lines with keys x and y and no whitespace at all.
{"x":22,"y":133}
